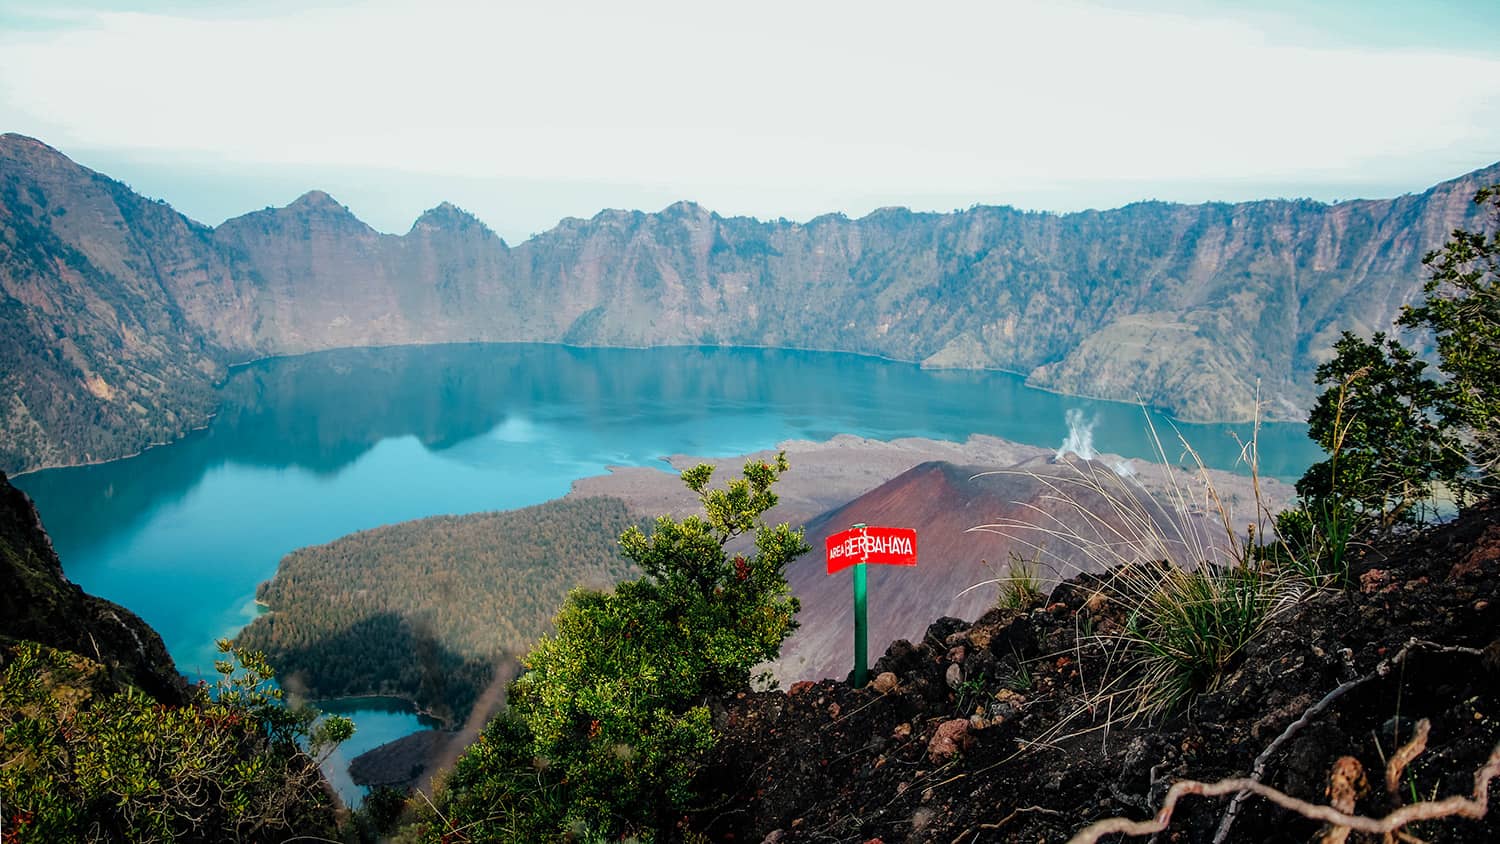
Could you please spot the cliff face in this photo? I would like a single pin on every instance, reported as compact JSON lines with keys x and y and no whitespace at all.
{"x":322,"y":279}
{"x":104,"y":298}
{"x":120,"y":313}
{"x":37,"y":603}
{"x":1185,"y":307}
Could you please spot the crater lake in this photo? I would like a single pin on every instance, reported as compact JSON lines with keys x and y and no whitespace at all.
{"x":306,"y":449}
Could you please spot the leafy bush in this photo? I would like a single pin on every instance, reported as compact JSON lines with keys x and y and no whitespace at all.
{"x":1462,"y":310}
{"x":499,"y":790}
{"x":1386,"y":447}
{"x":608,"y":724}
{"x":1395,"y":435}
{"x":83,"y":761}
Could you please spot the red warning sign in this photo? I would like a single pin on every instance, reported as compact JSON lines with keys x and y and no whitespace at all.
{"x":883,"y":545}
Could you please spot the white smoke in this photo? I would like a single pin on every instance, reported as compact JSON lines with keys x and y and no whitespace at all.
{"x":1124,"y":468}
{"x":1080,"y":439}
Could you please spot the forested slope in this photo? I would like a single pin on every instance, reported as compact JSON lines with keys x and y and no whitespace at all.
{"x":102,"y":740}
{"x":425,"y":609}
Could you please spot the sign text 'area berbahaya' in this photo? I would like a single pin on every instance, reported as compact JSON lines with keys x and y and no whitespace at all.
{"x":884,"y":545}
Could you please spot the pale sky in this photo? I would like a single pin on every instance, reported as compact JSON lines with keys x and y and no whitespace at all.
{"x":526,"y":113}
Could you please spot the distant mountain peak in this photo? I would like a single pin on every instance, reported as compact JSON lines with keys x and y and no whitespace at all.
{"x":319,"y":208}
{"x":685,"y":208}
{"x":17,"y":139}
{"x":316,"y":200}
{"x":24,"y":148}
{"x":447,"y":208}
{"x":447,"y":216}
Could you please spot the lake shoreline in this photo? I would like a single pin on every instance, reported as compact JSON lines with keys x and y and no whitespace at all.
{"x":415,"y":707}
{"x":231,"y":368}
{"x":1025,"y":376}
{"x":305,"y":450}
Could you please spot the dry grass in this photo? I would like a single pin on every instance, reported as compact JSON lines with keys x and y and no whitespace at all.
{"x":1192,"y":582}
{"x":1018,"y":588}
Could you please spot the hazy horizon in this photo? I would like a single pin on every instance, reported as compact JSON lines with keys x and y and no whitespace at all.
{"x":400,"y":229}
{"x":525,"y":115}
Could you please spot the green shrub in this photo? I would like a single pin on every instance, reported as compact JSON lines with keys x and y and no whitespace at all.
{"x":1387,"y":446}
{"x":1021,"y":586}
{"x":1393,"y":433}
{"x":499,"y":790}
{"x":83,"y":761}
{"x":1186,"y":626}
{"x":608,"y":725}
{"x":1312,"y":544}
{"x":1462,"y":310}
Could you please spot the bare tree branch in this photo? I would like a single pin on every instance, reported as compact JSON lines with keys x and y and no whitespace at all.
{"x":1402,"y":757}
{"x":1468,"y":807}
{"x":1381,"y":669}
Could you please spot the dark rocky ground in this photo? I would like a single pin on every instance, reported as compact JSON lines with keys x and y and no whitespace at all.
{"x":1033,"y":753}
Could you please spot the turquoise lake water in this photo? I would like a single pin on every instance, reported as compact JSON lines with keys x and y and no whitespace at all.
{"x":310,"y":448}
{"x":379,"y":720}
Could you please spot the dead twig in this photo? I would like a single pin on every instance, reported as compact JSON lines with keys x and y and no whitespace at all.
{"x":1401,"y":758}
{"x":1468,"y":807}
{"x":1381,"y":670}
{"x":1346,"y":784}
{"x":1000,"y":824}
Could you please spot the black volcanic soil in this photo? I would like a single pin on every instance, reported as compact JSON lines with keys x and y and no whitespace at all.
{"x":827,"y":762}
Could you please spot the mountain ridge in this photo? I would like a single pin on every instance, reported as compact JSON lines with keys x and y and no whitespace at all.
{"x":127,"y":312}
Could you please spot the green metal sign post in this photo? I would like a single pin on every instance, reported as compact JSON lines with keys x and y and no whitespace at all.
{"x":855,"y":547}
{"x":861,"y":628}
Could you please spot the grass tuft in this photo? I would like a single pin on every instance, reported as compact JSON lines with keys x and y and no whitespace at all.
{"x":1186,"y":627}
{"x":1022,"y":585}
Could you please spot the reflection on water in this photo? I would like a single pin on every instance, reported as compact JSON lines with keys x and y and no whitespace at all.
{"x":320,"y":413}
{"x":307,"y":449}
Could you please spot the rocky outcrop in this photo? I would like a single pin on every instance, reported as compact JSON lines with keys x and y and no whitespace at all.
{"x":1036,"y":740}
{"x":38,"y":603}
{"x":120,"y":313}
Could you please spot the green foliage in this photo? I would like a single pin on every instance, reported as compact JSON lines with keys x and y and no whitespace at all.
{"x":1186,"y":626}
{"x":608,"y":724}
{"x":81,"y":761}
{"x":1313,"y":544}
{"x":1462,"y":310}
{"x":970,"y":695}
{"x":1396,"y":436}
{"x":499,"y":790}
{"x":1022,"y":585}
{"x":379,"y":815}
{"x":1386,"y":446}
